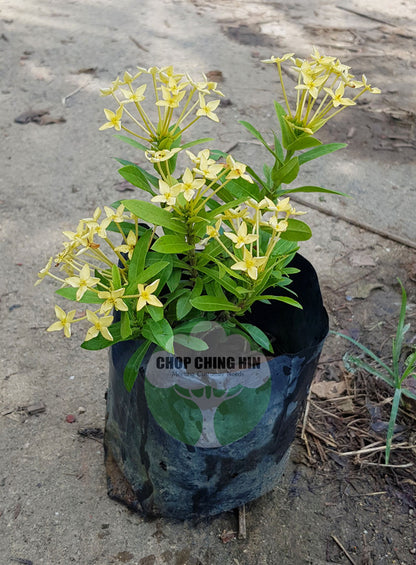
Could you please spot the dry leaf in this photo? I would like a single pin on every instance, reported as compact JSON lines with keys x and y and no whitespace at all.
{"x":346,"y":405}
{"x":328,"y":389}
{"x":362,"y":260}
{"x":362,"y":289}
{"x":30,"y":116}
{"x":215,"y":76}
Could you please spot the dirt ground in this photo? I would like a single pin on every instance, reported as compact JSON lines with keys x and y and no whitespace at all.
{"x":330,"y":507}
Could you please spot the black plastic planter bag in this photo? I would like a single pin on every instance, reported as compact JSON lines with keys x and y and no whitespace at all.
{"x":186,"y":452}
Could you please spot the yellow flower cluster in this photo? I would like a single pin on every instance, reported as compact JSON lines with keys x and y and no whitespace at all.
{"x":254,"y":216}
{"x":83,"y":257}
{"x":178,"y":102}
{"x":199,"y":181}
{"x":321,"y":86}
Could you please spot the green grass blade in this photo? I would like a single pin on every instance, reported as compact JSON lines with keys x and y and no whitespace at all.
{"x":366,"y":350}
{"x":398,"y":341}
{"x":392,"y":422}
{"x":363,"y":365}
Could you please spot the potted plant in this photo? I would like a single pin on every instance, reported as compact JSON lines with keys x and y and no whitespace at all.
{"x":215,"y":323}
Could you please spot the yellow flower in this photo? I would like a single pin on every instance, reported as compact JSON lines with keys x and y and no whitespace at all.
{"x":116,"y":216}
{"x":205,"y":86}
{"x":278,"y":225}
{"x":337,"y":97}
{"x":257,"y":205}
{"x":113,"y":299}
{"x":249,"y":264}
{"x":129,"y":246}
{"x":80,"y":237}
{"x":273,"y":59}
{"x":170,"y":100}
{"x":44,"y":272}
{"x":189,"y":184}
{"x":136,"y":96}
{"x":82,"y":282}
{"x":312,"y":84}
{"x":162,"y":155}
{"x":167,"y":194}
{"x":214,"y":232}
{"x":64,"y":321}
{"x":207,"y":108}
{"x":99,"y":326}
{"x":128,"y":78}
{"x":207,"y":167}
{"x":241,"y":237}
{"x":114,"y":119}
{"x":107,"y":91}
{"x":146,"y":296}
{"x":237,"y":170}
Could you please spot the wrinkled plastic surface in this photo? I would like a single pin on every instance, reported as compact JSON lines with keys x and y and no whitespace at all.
{"x":154,"y":473}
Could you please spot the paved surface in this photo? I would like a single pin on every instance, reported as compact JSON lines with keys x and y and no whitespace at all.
{"x":53,"y":504}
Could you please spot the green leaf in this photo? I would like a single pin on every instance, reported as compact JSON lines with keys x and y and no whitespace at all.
{"x":99,"y":342}
{"x":256,"y":177}
{"x":303,"y":142}
{"x":115,"y":273}
{"x":220,"y":209}
{"x":138,"y":258}
{"x":89,"y":297}
{"x":312,"y":189}
{"x":134,"y":176}
{"x":257,"y":135}
{"x":258,"y":335}
{"x":174,"y":279}
{"x":133,"y":365}
{"x":196,"y":325}
{"x":239,"y":187}
{"x":160,"y":333}
{"x":287,"y":133}
{"x":320,"y":151}
{"x":286,"y":173}
{"x":213,"y":304}
{"x":171,"y":244}
{"x":191,"y":342}
{"x":278,"y":148}
{"x":132,"y":142}
{"x":221,"y":278}
{"x":284,"y":299}
{"x":183,"y":305}
{"x":297,"y":231}
{"x":196,"y":142}
{"x":156,"y":312}
{"x":125,"y":328}
{"x":149,"y":274}
{"x":227,"y":269}
{"x":154,"y":215}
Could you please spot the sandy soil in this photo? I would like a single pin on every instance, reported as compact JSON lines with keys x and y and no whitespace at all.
{"x":56,"y":55}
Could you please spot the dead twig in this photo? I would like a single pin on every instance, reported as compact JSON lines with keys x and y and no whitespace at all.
{"x":242,"y":529}
{"x":339,"y":544}
{"x":65,"y":98}
{"x":137,"y":44}
{"x":354,"y":222}
{"x":367,"y":16}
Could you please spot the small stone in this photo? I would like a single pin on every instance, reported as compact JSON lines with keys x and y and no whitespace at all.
{"x":81,"y":410}
{"x":70,"y":419}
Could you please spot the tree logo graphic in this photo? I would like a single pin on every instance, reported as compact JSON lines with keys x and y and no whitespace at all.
{"x":212,"y":392}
